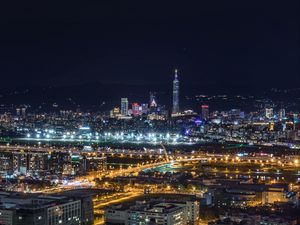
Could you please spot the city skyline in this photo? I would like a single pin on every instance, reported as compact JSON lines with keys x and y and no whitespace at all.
{"x":165,"y":113}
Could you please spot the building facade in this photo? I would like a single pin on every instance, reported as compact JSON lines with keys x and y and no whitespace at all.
{"x":18,"y":209}
{"x":124,"y":106}
{"x":160,"y":212}
{"x":175,"y":94}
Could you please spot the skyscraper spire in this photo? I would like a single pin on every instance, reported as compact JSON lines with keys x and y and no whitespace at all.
{"x":175,"y":93}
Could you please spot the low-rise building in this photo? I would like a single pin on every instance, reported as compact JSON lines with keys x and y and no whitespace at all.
{"x":20,"y":209}
{"x":164,"y":212}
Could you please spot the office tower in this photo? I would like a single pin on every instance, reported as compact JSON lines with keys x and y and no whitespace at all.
{"x":152,"y":102}
{"x":136,"y":109}
{"x":175,"y":94}
{"x":269,"y":113}
{"x":281,"y":114}
{"x":296,"y":120}
{"x":124,"y":106}
{"x":205,"y":111}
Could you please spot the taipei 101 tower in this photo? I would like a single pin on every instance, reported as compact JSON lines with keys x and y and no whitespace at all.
{"x":175,"y":94}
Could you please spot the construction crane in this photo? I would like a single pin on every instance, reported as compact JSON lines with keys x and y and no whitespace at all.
{"x":165,"y":152}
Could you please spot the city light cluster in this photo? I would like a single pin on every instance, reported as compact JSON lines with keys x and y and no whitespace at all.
{"x":85,"y":134}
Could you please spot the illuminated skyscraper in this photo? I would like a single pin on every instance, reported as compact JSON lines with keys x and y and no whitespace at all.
{"x":136,"y":109}
{"x":269,"y":113}
{"x":124,"y":106}
{"x":152,"y":101}
{"x":205,"y":111}
{"x":175,"y":94}
{"x":281,"y":114}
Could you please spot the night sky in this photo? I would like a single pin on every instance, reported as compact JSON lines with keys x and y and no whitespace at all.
{"x":141,"y":42}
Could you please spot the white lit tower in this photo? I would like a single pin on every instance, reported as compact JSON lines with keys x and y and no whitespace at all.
{"x":124,"y":106}
{"x":152,"y":102}
{"x":175,"y":94}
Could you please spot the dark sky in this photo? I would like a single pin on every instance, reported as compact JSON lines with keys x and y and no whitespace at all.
{"x":210,"y":42}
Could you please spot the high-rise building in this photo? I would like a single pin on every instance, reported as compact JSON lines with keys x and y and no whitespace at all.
{"x":136,"y":109}
{"x":269,"y":113}
{"x":281,"y":114}
{"x":124,"y":106}
{"x":152,"y":101}
{"x":175,"y":94}
{"x":296,"y":120}
{"x":205,"y":111}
